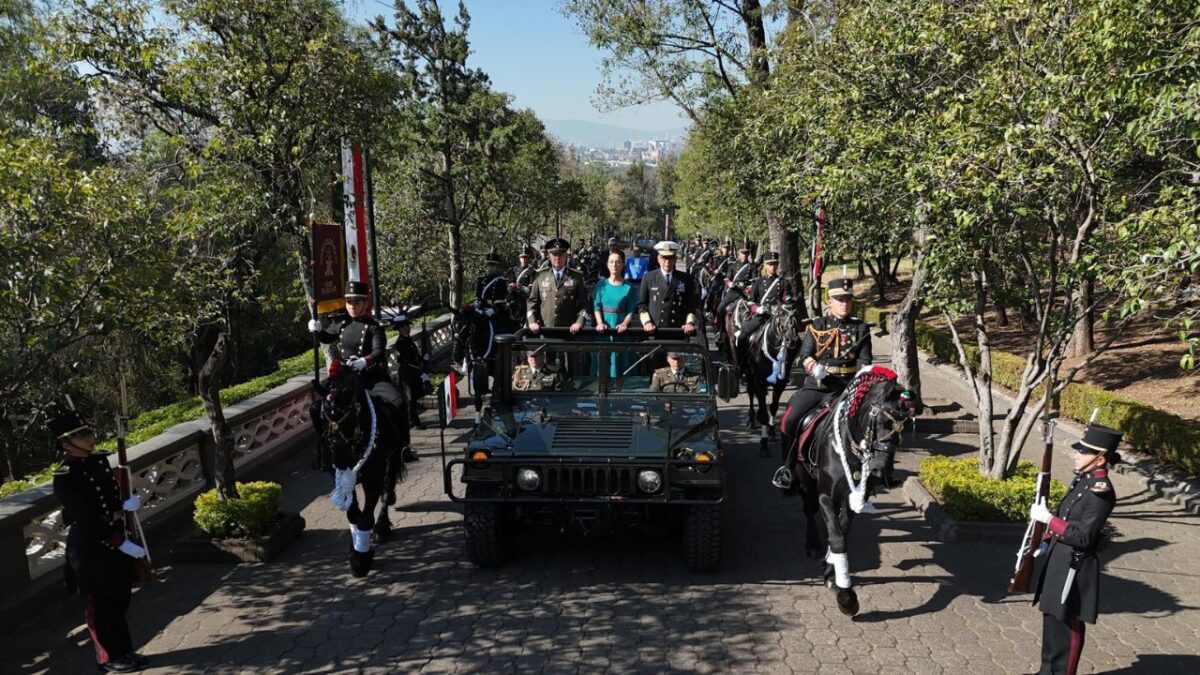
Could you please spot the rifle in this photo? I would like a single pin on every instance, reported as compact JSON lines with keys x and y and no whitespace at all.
{"x":142,"y":567}
{"x":1023,"y":574}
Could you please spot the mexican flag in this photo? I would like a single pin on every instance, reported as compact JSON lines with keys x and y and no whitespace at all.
{"x":449,"y":398}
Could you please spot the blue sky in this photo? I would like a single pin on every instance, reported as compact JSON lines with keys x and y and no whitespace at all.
{"x":531,"y":51}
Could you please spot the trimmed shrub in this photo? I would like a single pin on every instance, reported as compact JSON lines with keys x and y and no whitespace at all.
{"x":968,"y":495}
{"x":12,"y":487}
{"x":251,"y":515}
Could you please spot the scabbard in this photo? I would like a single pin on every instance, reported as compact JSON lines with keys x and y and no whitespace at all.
{"x":1067,"y":586}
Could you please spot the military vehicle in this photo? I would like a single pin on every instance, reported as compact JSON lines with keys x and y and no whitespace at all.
{"x":595,"y":441}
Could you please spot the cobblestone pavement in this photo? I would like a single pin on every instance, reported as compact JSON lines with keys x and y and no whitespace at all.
{"x":625,"y":604}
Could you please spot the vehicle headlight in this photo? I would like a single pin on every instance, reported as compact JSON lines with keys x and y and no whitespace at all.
{"x":649,"y":481}
{"x":528,"y":479}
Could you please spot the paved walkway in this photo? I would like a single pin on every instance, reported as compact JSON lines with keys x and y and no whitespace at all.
{"x":625,"y":604}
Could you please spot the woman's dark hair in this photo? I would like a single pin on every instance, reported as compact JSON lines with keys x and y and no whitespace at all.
{"x":616,"y":251}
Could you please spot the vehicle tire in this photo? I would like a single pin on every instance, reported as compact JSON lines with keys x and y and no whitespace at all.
{"x":702,"y":537}
{"x":485,"y":529}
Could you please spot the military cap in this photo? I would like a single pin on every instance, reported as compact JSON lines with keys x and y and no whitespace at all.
{"x":357,"y":289}
{"x":745,"y":245}
{"x":527,"y":253}
{"x":1098,"y":439}
{"x":68,"y":423}
{"x":493,"y":258}
{"x":558,"y":245}
{"x":841,"y":288}
{"x":772,"y":257}
{"x":667,"y":249}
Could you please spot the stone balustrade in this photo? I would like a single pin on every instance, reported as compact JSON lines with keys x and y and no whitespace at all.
{"x":168,"y":471}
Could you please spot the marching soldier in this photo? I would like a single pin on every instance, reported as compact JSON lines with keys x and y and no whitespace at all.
{"x":832,"y":350}
{"x":668,"y":297}
{"x":768,"y":290}
{"x":99,"y":557}
{"x":362,"y":345}
{"x":409,"y":368}
{"x":536,"y":375}
{"x":1069,"y":580}
{"x":559,"y":296}
{"x":674,"y":378}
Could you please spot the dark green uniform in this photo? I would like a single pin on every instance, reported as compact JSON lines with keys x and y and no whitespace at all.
{"x":547,"y":378}
{"x":558,"y":302}
{"x":669,"y":381}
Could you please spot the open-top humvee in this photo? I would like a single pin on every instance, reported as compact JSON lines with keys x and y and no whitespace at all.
{"x":595,"y":443}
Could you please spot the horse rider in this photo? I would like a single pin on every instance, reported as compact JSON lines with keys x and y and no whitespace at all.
{"x":767,"y":291}
{"x":99,"y":558}
{"x":544,"y":261}
{"x":1069,"y":580}
{"x":361,"y":344}
{"x":491,"y":293}
{"x":738,"y":279}
{"x":559,"y":296}
{"x":411,"y":367}
{"x":537,"y":375}
{"x":833,"y":348}
{"x":668,"y":297}
{"x":523,"y":272}
{"x":675,"y":378}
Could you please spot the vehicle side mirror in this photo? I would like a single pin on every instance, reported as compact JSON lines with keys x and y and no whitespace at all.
{"x":727,"y":381}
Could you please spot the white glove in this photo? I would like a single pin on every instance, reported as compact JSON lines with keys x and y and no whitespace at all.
{"x":424,"y":377}
{"x":819,"y":371}
{"x":132,"y":504}
{"x":1039,"y":512}
{"x":358,"y":364}
{"x":314,"y":326}
{"x":760,"y":310}
{"x":489,"y":312}
{"x":132,"y":550}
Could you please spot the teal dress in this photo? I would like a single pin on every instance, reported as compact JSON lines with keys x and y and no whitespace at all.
{"x":615,"y":302}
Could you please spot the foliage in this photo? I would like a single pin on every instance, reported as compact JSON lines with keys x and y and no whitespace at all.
{"x":966,"y":495}
{"x":33,"y":480}
{"x":251,"y":514}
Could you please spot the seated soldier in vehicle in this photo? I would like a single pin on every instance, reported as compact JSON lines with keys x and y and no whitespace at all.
{"x":536,"y":375}
{"x":675,"y":377}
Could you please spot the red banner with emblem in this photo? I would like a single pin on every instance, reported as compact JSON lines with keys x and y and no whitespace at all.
{"x":328,"y":267}
{"x":355,"y":210}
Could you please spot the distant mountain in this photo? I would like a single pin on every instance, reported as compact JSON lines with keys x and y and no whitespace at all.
{"x":595,"y":134}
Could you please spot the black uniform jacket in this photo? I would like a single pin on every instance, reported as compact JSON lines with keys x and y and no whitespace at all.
{"x":92,"y":508}
{"x":668,"y":305}
{"x":406,"y":365}
{"x":365,"y":338}
{"x":558,"y":304}
{"x":492,"y":288}
{"x":843,"y":345}
{"x":523,"y":276}
{"x":1073,"y":535}
{"x":773,"y":290}
{"x":742,"y":273}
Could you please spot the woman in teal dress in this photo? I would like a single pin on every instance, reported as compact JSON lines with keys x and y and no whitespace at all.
{"x":614,"y":307}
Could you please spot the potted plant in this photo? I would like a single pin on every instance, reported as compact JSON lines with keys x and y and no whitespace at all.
{"x":248,"y":528}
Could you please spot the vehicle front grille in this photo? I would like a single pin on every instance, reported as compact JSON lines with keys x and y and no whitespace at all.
{"x":590,"y":434}
{"x":588,"y":481}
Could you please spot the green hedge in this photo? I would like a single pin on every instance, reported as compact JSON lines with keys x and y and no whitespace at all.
{"x":12,"y":487}
{"x":968,"y":495}
{"x":252,"y":514}
{"x":1149,"y":430}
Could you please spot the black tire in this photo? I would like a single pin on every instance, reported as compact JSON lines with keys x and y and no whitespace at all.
{"x":485,"y":529}
{"x":702,"y":537}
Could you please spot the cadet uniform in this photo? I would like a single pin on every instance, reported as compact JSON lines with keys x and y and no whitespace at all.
{"x":740,"y":275}
{"x":834,"y":348}
{"x":363,"y":340}
{"x":765,"y":292}
{"x":669,"y":381}
{"x":523,"y":273}
{"x":558,"y":298}
{"x":409,"y":369}
{"x":668,"y":302}
{"x":99,"y":560}
{"x":1069,"y":580}
{"x":546,"y":378}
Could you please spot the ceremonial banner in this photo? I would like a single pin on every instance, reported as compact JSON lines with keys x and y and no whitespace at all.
{"x":355,"y":211}
{"x":328,"y":267}
{"x":816,"y":247}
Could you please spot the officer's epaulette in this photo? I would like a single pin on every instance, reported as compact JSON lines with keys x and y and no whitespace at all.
{"x":575,"y":270}
{"x":1102,"y":485}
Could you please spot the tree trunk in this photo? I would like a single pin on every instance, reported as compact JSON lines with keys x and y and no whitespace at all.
{"x":209,"y":386}
{"x":1001,"y":314}
{"x":756,"y":35}
{"x":1083,"y":341}
{"x":892,"y":276}
{"x":881,"y":278}
{"x":904,"y":329}
{"x":987,"y":447}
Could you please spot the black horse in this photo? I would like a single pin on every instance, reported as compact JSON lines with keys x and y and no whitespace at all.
{"x":359,"y":444}
{"x":856,"y":433}
{"x":475,"y":328}
{"x":766,"y":364}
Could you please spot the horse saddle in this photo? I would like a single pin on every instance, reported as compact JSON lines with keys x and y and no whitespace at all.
{"x":807,"y":425}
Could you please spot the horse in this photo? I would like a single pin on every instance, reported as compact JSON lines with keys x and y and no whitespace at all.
{"x":766,"y":364}
{"x":475,"y":328}
{"x":856,"y":433}
{"x":359,"y":445}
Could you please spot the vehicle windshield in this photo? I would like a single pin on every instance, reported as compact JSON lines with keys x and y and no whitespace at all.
{"x":609,"y":368}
